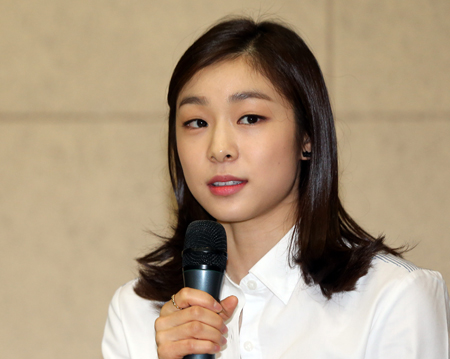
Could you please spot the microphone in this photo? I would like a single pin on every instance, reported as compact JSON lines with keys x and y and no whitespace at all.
{"x":204,"y":261}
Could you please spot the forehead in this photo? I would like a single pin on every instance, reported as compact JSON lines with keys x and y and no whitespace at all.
{"x":229,"y":78}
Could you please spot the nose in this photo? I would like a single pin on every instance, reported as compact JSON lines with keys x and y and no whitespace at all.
{"x":223,"y":145}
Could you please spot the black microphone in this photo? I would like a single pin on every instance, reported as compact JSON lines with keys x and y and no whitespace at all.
{"x":204,"y":261}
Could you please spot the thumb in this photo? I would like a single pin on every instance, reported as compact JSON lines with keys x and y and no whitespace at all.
{"x":229,"y":304}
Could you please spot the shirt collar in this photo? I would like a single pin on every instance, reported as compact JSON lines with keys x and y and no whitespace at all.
{"x":274,"y":272}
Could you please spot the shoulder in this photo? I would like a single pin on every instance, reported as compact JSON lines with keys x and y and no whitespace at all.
{"x":409,"y":306}
{"x":126,"y":298}
{"x":129,"y":328}
{"x":391,"y":276}
{"x":396,"y":288}
{"x":133,"y":309}
{"x":387,"y":269}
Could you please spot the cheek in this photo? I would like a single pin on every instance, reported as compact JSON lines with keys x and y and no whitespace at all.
{"x":280,"y":152}
{"x":187,"y":167}
{"x":184,"y":158}
{"x":189,"y":163}
{"x":287,"y":167}
{"x":274,"y":169}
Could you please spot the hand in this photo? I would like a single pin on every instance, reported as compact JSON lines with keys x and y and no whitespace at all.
{"x":197,"y":329}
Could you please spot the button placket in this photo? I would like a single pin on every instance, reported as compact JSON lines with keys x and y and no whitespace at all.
{"x":254,"y":294}
{"x":248,"y":346}
{"x":252,"y":285}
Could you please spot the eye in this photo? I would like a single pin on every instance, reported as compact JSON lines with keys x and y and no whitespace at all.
{"x":250,"y":119}
{"x":195,"y":123}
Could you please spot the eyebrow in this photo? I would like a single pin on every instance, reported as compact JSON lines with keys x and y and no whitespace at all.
{"x":193,"y":100}
{"x":239,"y":96}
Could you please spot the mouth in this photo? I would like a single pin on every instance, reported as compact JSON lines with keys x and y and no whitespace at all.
{"x":226,"y":185}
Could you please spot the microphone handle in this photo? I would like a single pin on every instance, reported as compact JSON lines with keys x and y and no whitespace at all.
{"x":209,"y":281}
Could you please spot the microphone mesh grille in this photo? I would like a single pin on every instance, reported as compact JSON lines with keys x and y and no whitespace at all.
{"x":207,"y":235}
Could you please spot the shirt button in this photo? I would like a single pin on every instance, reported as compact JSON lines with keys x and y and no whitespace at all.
{"x":251,"y":285}
{"x":248,"y":346}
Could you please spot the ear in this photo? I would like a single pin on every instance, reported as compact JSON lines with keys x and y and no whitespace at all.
{"x":306,"y":150}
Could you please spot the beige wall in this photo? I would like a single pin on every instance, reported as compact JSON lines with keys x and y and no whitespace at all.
{"x":82,"y":175}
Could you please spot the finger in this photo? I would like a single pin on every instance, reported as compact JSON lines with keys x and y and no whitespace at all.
{"x":229,"y":305}
{"x":188,"y":297}
{"x":191,"y":314}
{"x":185,"y":347}
{"x":191,"y":330}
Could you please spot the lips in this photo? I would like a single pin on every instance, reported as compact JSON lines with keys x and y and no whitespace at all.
{"x":229,"y":183}
{"x":226,"y":185}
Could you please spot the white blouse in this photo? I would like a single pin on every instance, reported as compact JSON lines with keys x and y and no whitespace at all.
{"x":398,"y":311}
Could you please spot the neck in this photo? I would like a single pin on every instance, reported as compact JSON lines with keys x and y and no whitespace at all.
{"x":249,"y":241}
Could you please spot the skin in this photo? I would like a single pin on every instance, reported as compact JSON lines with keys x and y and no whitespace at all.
{"x":231,"y":121}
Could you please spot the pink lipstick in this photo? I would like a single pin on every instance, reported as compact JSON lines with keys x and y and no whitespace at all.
{"x":226,"y":185}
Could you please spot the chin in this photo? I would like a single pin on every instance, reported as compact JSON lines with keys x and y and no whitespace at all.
{"x":230,"y":217}
{"x":234,"y":218}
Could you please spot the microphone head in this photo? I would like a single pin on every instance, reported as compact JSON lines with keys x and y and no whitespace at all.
{"x":205,"y":244}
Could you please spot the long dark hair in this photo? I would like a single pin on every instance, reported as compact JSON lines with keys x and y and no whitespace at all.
{"x":331,"y":249}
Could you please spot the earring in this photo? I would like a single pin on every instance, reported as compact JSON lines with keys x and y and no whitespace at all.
{"x":306,"y":154}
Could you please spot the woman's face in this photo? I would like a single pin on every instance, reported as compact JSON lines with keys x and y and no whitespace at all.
{"x":236,"y":139}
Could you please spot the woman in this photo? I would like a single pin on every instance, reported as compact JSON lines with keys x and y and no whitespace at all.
{"x":252,"y":145}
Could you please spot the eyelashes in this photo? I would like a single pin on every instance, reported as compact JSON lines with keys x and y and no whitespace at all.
{"x":248,"y":120}
{"x":197,"y":123}
{"x":251,"y":119}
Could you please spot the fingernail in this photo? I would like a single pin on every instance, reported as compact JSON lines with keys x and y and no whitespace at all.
{"x":223,"y":341}
{"x":216,"y":348}
{"x":224,"y":329}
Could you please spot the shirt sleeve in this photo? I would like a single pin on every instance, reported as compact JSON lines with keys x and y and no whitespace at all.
{"x":114,"y":344}
{"x":412,"y":320}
